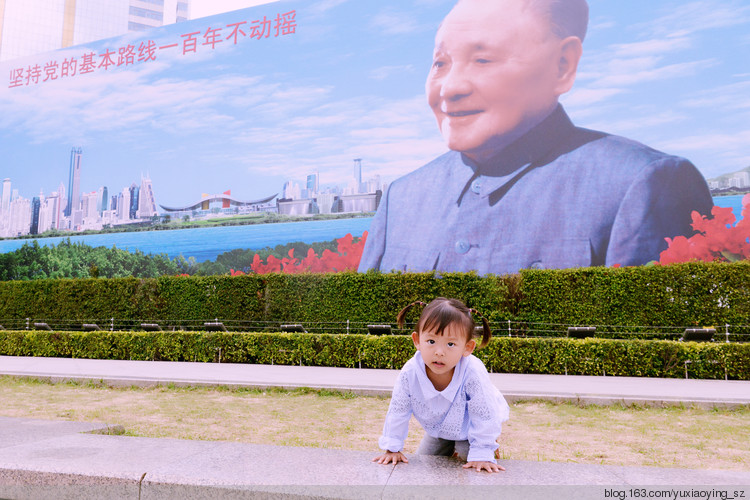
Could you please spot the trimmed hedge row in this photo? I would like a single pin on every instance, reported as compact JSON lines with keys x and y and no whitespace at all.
{"x":694,"y":294}
{"x":632,"y":358}
{"x":335,"y":297}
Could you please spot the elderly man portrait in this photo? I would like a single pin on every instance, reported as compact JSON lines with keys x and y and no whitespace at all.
{"x":522,"y":186}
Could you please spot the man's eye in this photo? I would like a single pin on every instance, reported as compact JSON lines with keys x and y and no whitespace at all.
{"x":438,"y":64}
{"x":483,"y":61}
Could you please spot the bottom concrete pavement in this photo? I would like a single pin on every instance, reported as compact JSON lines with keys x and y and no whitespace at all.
{"x":515,"y":387}
{"x":72,"y":460}
{"x":40,"y":459}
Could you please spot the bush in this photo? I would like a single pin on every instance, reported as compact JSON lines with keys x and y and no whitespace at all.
{"x":503,"y":354}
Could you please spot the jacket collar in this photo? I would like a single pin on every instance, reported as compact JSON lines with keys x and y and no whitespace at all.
{"x":429,"y":390}
{"x":537,"y":147}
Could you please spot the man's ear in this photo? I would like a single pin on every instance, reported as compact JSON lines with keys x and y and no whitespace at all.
{"x":470,"y":346}
{"x":567,"y":65}
{"x":415,"y":339}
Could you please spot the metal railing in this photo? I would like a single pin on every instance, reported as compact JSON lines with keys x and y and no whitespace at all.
{"x":507,"y":328}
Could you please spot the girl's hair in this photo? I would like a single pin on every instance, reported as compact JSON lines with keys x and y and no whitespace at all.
{"x":441,"y":312}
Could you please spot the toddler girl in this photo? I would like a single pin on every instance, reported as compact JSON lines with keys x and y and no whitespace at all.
{"x":447,"y":389}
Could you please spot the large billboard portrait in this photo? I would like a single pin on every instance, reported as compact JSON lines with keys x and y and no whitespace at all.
{"x":409,"y":135}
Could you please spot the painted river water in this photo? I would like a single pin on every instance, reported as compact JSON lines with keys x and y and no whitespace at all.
{"x":207,"y":243}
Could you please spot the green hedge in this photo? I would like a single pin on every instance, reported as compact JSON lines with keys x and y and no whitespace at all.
{"x":336,"y":297}
{"x":684,"y":295}
{"x":632,"y":358}
{"x":693,"y":294}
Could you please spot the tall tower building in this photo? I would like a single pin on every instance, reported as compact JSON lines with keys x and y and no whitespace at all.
{"x":35,"y":206}
{"x":49,"y":213}
{"x":32,"y":26}
{"x":103,"y":199}
{"x":358,"y":172}
{"x":123,"y":204}
{"x":146,"y":200}
{"x":5,"y":202}
{"x":20,"y":217}
{"x":133,"y":211}
{"x":74,"y":181}
{"x":313,"y":183}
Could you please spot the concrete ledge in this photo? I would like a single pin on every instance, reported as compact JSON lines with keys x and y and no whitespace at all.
{"x":61,"y":462}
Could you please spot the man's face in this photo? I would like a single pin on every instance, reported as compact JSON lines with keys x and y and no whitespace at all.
{"x":494,"y":74}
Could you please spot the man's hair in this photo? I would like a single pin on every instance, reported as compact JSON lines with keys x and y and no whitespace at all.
{"x":566,"y":17}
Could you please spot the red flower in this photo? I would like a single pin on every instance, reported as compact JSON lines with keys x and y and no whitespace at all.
{"x":346,"y":258}
{"x":718,"y":238}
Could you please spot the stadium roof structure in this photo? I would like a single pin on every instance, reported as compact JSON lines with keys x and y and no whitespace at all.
{"x":219,"y":197}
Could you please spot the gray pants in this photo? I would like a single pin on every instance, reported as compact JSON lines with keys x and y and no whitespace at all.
{"x":443,"y":447}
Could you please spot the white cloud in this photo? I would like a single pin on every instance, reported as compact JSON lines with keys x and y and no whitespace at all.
{"x":712,"y":142}
{"x":638,"y":122}
{"x":729,"y":97}
{"x":631,"y":72}
{"x":392,"y":136}
{"x":391,"y":22}
{"x":325,"y":5}
{"x":584,"y":97}
{"x":385,"y":72}
{"x":702,"y":15}
{"x":658,"y":46}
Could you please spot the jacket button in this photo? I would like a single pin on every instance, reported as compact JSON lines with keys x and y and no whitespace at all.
{"x":476,"y":186}
{"x":462,"y":246}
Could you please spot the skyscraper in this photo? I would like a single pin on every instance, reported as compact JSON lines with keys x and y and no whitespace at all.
{"x":20,"y":217}
{"x":358,"y":172}
{"x":5,"y":203}
{"x":32,"y":26}
{"x":123,"y":204}
{"x":313,"y":183}
{"x":49,"y":213}
{"x":74,"y":181}
{"x":146,"y":200}
{"x":104,"y":200}
{"x":35,"y":206}
{"x":133,"y":212}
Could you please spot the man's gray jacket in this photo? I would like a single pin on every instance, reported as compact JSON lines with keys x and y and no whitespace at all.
{"x":558,"y":197}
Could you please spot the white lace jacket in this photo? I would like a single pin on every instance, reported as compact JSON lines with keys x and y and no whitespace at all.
{"x":470,"y":408}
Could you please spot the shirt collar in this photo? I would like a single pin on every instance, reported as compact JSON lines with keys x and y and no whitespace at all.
{"x":504,"y":169}
{"x":531,"y":147}
{"x":429,"y":391}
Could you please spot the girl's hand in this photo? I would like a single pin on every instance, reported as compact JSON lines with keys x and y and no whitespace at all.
{"x":391,"y":457}
{"x":488,"y":466}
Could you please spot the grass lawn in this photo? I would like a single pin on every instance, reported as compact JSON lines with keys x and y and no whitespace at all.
{"x":664,"y":437}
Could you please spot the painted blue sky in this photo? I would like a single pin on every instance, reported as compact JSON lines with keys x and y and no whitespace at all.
{"x":349,"y":83}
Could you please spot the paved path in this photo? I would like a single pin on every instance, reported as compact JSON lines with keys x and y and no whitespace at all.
{"x":515,"y":387}
{"x":43,"y":459}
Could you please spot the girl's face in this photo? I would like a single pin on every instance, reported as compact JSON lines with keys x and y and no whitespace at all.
{"x":441,"y":353}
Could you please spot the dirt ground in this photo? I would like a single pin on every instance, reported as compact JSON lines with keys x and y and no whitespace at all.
{"x":670,"y":437}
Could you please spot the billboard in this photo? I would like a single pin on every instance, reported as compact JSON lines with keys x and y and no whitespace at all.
{"x":297,"y":120}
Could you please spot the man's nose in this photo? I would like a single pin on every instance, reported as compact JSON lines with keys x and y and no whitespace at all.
{"x":456,"y":84}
